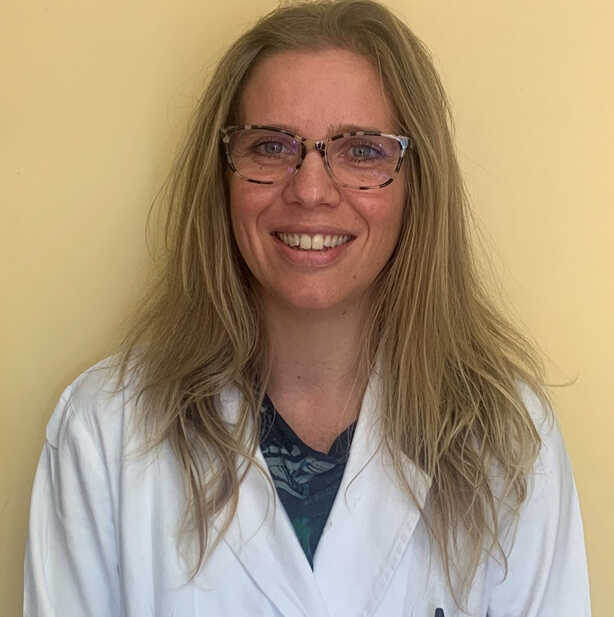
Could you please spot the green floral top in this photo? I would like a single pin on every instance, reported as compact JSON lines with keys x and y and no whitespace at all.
{"x":306,"y":480}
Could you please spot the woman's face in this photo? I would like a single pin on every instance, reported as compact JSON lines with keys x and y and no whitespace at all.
{"x":316,"y":95}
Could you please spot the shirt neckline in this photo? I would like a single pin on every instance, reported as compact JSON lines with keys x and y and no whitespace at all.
{"x":339,"y":450}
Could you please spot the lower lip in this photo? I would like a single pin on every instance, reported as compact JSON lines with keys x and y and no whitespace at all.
{"x":314,"y":259}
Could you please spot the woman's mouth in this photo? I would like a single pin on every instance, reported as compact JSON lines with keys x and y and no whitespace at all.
{"x":312,"y":242}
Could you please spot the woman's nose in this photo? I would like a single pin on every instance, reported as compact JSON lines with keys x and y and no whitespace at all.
{"x":312,"y":184}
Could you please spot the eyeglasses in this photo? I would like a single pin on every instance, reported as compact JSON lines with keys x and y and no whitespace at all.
{"x":360,"y":159}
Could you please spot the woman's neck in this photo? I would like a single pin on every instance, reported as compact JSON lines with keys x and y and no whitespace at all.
{"x":315,"y":380}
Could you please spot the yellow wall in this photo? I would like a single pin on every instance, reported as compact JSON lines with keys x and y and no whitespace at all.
{"x":94,"y":98}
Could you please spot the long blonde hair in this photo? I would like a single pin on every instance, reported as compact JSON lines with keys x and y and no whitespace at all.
{"x":450,"y":364}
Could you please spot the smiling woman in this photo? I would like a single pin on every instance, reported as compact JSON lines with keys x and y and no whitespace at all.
{"x":329,"y":88}
{"x":318,"y":412}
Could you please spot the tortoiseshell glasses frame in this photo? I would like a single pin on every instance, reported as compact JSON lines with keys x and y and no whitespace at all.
{"x":361,"y":159}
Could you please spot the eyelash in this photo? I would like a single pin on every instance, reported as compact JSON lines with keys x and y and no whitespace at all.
{"x":366,"y":145}
{"x":256,"y":147}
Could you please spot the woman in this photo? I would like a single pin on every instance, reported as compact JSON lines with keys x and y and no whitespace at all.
{"x":318,"y":412}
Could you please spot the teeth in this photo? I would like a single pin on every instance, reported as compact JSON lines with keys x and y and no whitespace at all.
{"x":317,"y":242}
{"x":305,"y":242}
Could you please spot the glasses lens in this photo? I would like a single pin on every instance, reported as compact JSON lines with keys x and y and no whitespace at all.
{"x":264,"y":155}
{"x":366,"y":161}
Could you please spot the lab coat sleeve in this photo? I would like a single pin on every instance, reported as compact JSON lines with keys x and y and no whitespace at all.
{"x":71,"y":565}
{"x":547,"y":569}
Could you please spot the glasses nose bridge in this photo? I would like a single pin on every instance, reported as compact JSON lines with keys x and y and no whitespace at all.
{"x":319,"y":145}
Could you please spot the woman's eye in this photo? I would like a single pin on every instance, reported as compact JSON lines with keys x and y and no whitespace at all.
{"x":271,"y":148}
{"x":364,"y":152}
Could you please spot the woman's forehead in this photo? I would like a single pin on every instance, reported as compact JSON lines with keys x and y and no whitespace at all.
{"x":314,"y":91}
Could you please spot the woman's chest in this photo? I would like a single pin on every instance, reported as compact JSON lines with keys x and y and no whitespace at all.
{"x":365,"y":566}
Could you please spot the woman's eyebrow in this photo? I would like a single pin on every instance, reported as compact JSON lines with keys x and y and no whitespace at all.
{"x":332,"y":130}
{"x":336,"y":129}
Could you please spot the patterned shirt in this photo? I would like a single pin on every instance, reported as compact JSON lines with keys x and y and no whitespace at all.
{"x":306,"y":480}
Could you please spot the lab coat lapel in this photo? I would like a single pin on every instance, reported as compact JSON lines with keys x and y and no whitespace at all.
{"x":263,"y":540}
{"x":370,"y":524}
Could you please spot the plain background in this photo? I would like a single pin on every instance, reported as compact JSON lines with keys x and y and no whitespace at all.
{"x":95,"y":98}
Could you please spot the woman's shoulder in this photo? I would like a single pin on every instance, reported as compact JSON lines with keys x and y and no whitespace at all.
{"x":537,"y":405}
{"x":96,"y":402}
{"x":551,"y":501}
{"x":546,"y":559}
{"x":104,"y":402}
{"x":552,"y":456}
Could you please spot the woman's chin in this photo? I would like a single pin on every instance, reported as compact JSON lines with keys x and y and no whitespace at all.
{"x":309,"y":301}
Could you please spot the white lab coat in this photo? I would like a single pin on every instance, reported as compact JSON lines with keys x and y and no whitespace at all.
{"x":103,"y":528}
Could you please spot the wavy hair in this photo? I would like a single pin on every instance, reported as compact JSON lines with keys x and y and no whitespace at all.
{"x":450,"y":363}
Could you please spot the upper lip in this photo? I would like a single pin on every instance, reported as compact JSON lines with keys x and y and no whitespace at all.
{"x":312,"y":230}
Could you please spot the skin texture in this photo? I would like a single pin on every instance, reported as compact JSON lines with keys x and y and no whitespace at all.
{"x":315,"y":303}
{"x":315,"y":94}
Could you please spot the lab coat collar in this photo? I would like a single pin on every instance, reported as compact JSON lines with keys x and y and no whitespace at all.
{"x":368,"y":529}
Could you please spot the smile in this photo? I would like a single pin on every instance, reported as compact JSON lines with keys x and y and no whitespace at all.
{"x":312,"y":242}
